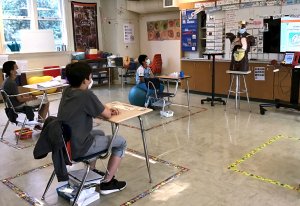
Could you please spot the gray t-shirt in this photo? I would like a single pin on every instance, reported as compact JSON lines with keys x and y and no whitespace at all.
{"x":77,"y":109}
{"x":11,"y":88}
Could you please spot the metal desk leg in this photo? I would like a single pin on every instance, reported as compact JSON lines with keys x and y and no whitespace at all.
{"x":188,"y":93}
{"x":122,"y":81}
{"x":145,"y":148}
{"x":168,"y":86}
{"x":109,"y":77}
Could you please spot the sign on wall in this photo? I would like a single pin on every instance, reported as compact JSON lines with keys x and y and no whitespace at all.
{"x":128,"y":33}
{"x":163,"y":30}
{"x":259,"y":73}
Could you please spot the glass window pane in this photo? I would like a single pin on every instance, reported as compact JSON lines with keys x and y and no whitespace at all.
{"x":11,"y":28}
{"x":55,"y":26}
{"x":48,"y":9}
{"x":15,"y":8}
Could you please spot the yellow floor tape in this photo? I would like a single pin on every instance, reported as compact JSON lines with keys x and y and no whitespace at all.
{"x":234,"y":166}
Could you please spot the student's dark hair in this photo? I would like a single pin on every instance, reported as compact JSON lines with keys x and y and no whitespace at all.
{"x":7,"y":67}
{"x":77,"y":72}
{"x":142,"y":58}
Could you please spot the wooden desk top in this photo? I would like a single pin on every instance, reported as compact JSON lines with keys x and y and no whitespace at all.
{"x":173,"y":78}
{"x":127,"y":111}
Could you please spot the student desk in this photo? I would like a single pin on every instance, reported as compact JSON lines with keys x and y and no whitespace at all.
{"x":44,"y":89}
{"x":169,"y":79}
{"x":127,"y":112}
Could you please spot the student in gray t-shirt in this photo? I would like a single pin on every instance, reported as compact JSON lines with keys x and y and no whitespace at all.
{"x":10,"y":69}
{"x":78,"y":106}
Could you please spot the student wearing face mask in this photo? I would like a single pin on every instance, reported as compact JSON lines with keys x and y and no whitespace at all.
{"x":143,"y":72}
{"x":77,"y":109}
{"x":11,"y":71}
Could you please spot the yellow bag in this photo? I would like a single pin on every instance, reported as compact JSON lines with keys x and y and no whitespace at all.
{"x":35,"y":80}
{"x":239,"y":54}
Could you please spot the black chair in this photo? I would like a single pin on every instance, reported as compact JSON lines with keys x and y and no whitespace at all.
{"x":129,"y":72}
{"x":154,"y":97}
{"x":86,"y":160}
{"x":12,"y":114}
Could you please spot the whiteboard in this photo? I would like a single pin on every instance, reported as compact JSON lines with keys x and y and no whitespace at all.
{"x":37,"y":41}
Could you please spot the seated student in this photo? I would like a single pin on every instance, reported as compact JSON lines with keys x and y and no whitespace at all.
{"x":10,"y":69}
{"x":144,"y":72}
{"x":78,"y":106}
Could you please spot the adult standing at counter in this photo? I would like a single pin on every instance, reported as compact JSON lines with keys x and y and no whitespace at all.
{"x":240,"y":46}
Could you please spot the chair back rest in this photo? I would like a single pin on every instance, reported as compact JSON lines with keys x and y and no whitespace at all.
{"x":156,"y":65}
{"x":152,"y":83}
{"x":6,"y":100}
{"x":66,"y":136}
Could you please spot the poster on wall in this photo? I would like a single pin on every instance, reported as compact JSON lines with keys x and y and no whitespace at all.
{"x":128,"y":33}
{"x":189,"y":31}
{"x":85,"y":32}
{"x":163,"y":30}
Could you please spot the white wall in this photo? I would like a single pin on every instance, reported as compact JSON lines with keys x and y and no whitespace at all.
{"x":169,"y":49}
{"x":114,"y":15}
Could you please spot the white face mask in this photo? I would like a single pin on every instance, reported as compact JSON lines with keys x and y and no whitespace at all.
{"x":18,"y":71}
{"x":91,"y":84}
{"x":148,"y":62}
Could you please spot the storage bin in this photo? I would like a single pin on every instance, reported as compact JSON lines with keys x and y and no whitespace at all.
{"x":26,"y":133}
{"x":78,"y":55}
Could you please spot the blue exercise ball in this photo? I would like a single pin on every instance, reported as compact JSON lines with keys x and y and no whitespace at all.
{"x":137,"y":96}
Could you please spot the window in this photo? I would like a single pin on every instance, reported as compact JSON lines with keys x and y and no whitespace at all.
{"x":32,"y":14}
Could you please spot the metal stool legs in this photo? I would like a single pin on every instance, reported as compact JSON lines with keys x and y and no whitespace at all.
{"x":238,"y":91}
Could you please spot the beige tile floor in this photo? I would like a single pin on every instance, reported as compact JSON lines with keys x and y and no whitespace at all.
{"x":206,"y":142}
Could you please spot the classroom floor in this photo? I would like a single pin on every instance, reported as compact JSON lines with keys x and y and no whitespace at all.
{"x":203,"y":157}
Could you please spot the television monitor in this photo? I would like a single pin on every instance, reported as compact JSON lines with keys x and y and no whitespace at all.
{"x":290,"y":34}
{"x":289,"y":57}
{"x":271,"y":35}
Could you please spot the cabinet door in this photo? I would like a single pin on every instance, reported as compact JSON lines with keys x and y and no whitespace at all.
{"x":260,"y":89}
{"x":282,"y":84}
{"x":187,"y":67}
{"x":222,"y":79}
{"x":202,"y":75}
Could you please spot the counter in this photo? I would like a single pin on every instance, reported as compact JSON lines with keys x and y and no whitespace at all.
{"x":276,"y":85}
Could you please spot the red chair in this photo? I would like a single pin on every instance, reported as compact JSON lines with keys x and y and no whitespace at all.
{"x":54,"y":72}
{"x":156,"y":65}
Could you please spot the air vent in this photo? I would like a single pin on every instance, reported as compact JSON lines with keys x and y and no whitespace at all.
{"x":170,"y":3}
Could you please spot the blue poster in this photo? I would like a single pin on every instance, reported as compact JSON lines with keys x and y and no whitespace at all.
{"x":189,"y":31}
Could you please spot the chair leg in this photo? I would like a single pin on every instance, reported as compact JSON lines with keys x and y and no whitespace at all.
{"x":246,"y":90}
{"x":237,"y":83}
{"x":48,"y":184}
{"x":81,"y":184}
{"x":4,"y":129}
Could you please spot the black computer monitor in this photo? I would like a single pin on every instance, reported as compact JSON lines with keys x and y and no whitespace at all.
{"x":289,"y":57}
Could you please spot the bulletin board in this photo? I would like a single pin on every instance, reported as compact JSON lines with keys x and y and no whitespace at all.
{"x":85,"y":31}
{"x":163,"y":30}
{"x":189,"y":31}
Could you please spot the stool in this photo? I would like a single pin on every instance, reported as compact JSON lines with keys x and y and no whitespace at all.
{"x":236,"y":75}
